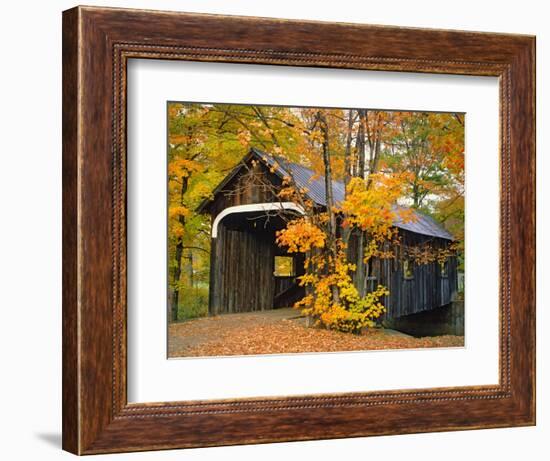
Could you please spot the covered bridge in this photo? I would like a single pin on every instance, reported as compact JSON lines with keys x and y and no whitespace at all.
{"x":250,"y":272}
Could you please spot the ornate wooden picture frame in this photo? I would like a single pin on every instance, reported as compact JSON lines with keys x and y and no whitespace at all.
{"x":97,"y":44}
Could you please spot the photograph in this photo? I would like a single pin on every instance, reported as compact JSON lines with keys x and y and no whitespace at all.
{"x":313,"y":229}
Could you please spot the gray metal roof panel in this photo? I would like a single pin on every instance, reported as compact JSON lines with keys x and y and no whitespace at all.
{"x":315,"y":186}
{"x":423,"y":224}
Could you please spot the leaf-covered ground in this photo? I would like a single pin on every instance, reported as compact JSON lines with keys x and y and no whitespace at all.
{"x":281,"y":332}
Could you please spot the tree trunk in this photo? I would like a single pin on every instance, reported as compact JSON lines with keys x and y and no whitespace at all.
{"x":348,"y":162}
{"x":176,"y":279}
{"x":374,"y":159}
{"x":360,"y":275}
{"x":360,"y":271}
{"x":189,"y":269}
{"x":330,"y":201}
{"x":360,"y":143}
{"x":174,"y":305}
{"x":347,"y":152}
{"x":374,"y":133}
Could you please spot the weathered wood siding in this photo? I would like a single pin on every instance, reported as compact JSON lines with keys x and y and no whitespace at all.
{"x":256,"y":185}
{"x":427,"y":289}
{"x":241,"y":271}
{"x":242,"y":256}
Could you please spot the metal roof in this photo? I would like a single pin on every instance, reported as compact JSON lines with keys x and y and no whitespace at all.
{"x":315,"y":189}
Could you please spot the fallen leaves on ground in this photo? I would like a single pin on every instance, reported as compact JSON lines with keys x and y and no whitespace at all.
{"x":242,"y":334}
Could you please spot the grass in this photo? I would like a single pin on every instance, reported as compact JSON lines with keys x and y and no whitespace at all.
{"x":193,"y":303}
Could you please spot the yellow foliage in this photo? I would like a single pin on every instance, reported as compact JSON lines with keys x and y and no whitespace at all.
{"x":177,"y":211}
{"x":369,"y":203}
{"x":351,"y":312}
{"x":244,"y":137}
{"x":301,"y":235}
{"x":182,"y":167}
{"x":428,"y":253}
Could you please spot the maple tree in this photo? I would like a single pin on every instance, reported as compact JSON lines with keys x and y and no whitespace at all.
{"x":338,"y":297}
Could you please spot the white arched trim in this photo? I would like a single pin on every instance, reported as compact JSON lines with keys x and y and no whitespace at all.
{"x":272,"y":206}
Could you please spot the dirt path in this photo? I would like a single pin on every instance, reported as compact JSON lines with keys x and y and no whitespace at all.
{"x":192,"y":333}
{"x":281,"y":331}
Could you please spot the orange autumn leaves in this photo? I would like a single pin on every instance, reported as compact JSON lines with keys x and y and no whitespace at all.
{"x":370,"y":204}
{"x":301,"y":236}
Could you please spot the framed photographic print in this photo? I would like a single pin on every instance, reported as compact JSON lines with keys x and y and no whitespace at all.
{"x":281,"y":230}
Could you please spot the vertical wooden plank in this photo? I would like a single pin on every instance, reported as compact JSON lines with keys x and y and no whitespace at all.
{"x":213,"y":280}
